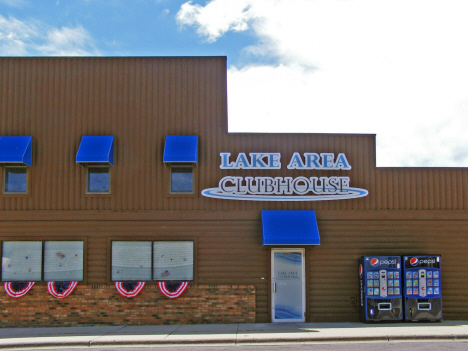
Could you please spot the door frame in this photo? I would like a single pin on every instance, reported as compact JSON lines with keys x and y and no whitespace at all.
{"x":272,"y":285}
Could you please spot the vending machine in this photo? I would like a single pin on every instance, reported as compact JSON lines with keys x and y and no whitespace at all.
{"x":422,"y":288}
{"x":380,"y":295}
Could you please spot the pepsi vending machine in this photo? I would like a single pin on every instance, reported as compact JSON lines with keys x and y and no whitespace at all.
{"x":380,"y":297}
{"x":422,"y":292}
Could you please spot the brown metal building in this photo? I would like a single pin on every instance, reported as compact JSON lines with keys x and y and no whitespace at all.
{"x":142,"y":100}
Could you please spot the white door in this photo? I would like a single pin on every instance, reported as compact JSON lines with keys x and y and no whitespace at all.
{"x":288,"y":285}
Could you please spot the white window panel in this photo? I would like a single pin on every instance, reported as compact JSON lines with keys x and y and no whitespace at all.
{"x":173,"y":260}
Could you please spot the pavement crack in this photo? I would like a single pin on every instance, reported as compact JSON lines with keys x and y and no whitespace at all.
{"x":104,"y":334}
{"x":172,"y":331}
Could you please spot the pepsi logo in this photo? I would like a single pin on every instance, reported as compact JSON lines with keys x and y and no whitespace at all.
{"x":414,"y":261}
{"x":360,"y":270}
{"x":374,"y":262}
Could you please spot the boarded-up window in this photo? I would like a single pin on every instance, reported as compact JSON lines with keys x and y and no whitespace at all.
{"x":63,"y":261}
{"x":173,"y":260}
{"x":21,"y":261}
{"x":131,"y":260}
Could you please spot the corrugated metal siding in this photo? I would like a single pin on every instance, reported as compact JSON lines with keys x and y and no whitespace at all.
{"x":229,"y":253}
{"x":333,"y":278}
{"x":140,"y":101}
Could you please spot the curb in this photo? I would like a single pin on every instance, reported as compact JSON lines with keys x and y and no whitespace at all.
{"x":227,"y":340}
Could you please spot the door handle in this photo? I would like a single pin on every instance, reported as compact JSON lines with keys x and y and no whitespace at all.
{"x":274,"y":287}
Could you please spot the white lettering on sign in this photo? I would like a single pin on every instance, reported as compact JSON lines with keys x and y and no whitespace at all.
{"x":285,"y":188}
{"x":314,"y":161}
{"x":281,"y":186}
{"x":257,"y":160}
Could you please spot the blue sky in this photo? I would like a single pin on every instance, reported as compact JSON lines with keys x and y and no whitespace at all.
{"x":392,"y":68}
{"x":124,"y":27}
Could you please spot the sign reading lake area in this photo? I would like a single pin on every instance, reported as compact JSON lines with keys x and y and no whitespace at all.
{"x":301,"y":188}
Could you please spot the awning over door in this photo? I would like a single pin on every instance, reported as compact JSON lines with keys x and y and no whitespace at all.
{"x":289,"y":228}
{"x":181,"y":148}
{"x":16,"y":149}
{"x":96,"y":149}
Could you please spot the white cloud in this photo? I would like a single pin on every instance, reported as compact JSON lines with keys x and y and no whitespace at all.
{"x":217,"y":17}
{"x":20,"y":38}
{"x":14,"y":35}
{"x":395,"y":68}
{"x":68,"y":42}
{"x":14,"y":3}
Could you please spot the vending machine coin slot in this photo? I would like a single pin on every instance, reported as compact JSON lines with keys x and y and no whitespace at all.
{"x":422,"y":282}
{"x":383,"y":283}
{"x":384,"y":306}
{"x":424,"y":306}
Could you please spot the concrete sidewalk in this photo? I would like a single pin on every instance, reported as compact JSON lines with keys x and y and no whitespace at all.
{"x":230,"y":334}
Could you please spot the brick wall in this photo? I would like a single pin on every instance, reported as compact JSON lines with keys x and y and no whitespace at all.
{"x":104,"y":305}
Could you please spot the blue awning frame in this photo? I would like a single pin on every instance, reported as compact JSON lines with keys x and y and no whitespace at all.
{"x":289,"y":228}
{"x":96,"y":149}
{"x":16,"y":149}
{"x":181,"y":149}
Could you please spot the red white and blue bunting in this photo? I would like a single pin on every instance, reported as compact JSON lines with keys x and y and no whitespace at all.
{"x":61,"y":290}
{"x":129,"y":289}
{"x":172,"y":290}
{"x":17,"y":289}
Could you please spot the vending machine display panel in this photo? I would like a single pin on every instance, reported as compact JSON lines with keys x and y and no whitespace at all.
{"x":380,"y":296}
{"x":422,"y":296}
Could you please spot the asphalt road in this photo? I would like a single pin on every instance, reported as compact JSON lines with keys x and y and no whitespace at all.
{"x":344,"y":346}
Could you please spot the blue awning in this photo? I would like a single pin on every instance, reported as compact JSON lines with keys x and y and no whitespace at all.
{"x":96,"y":149}
{"x":289,"y":228}
{"x":16,"y":149}
{"x":181,"y":148}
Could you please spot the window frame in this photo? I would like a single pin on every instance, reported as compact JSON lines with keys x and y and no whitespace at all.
{"x":4,"y":171}
{"x":186,"y":166}
{"x":26,"y":239}
{"x":97,"y":165}
{"x":167,"y":180}
{"x":152,"y":241}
